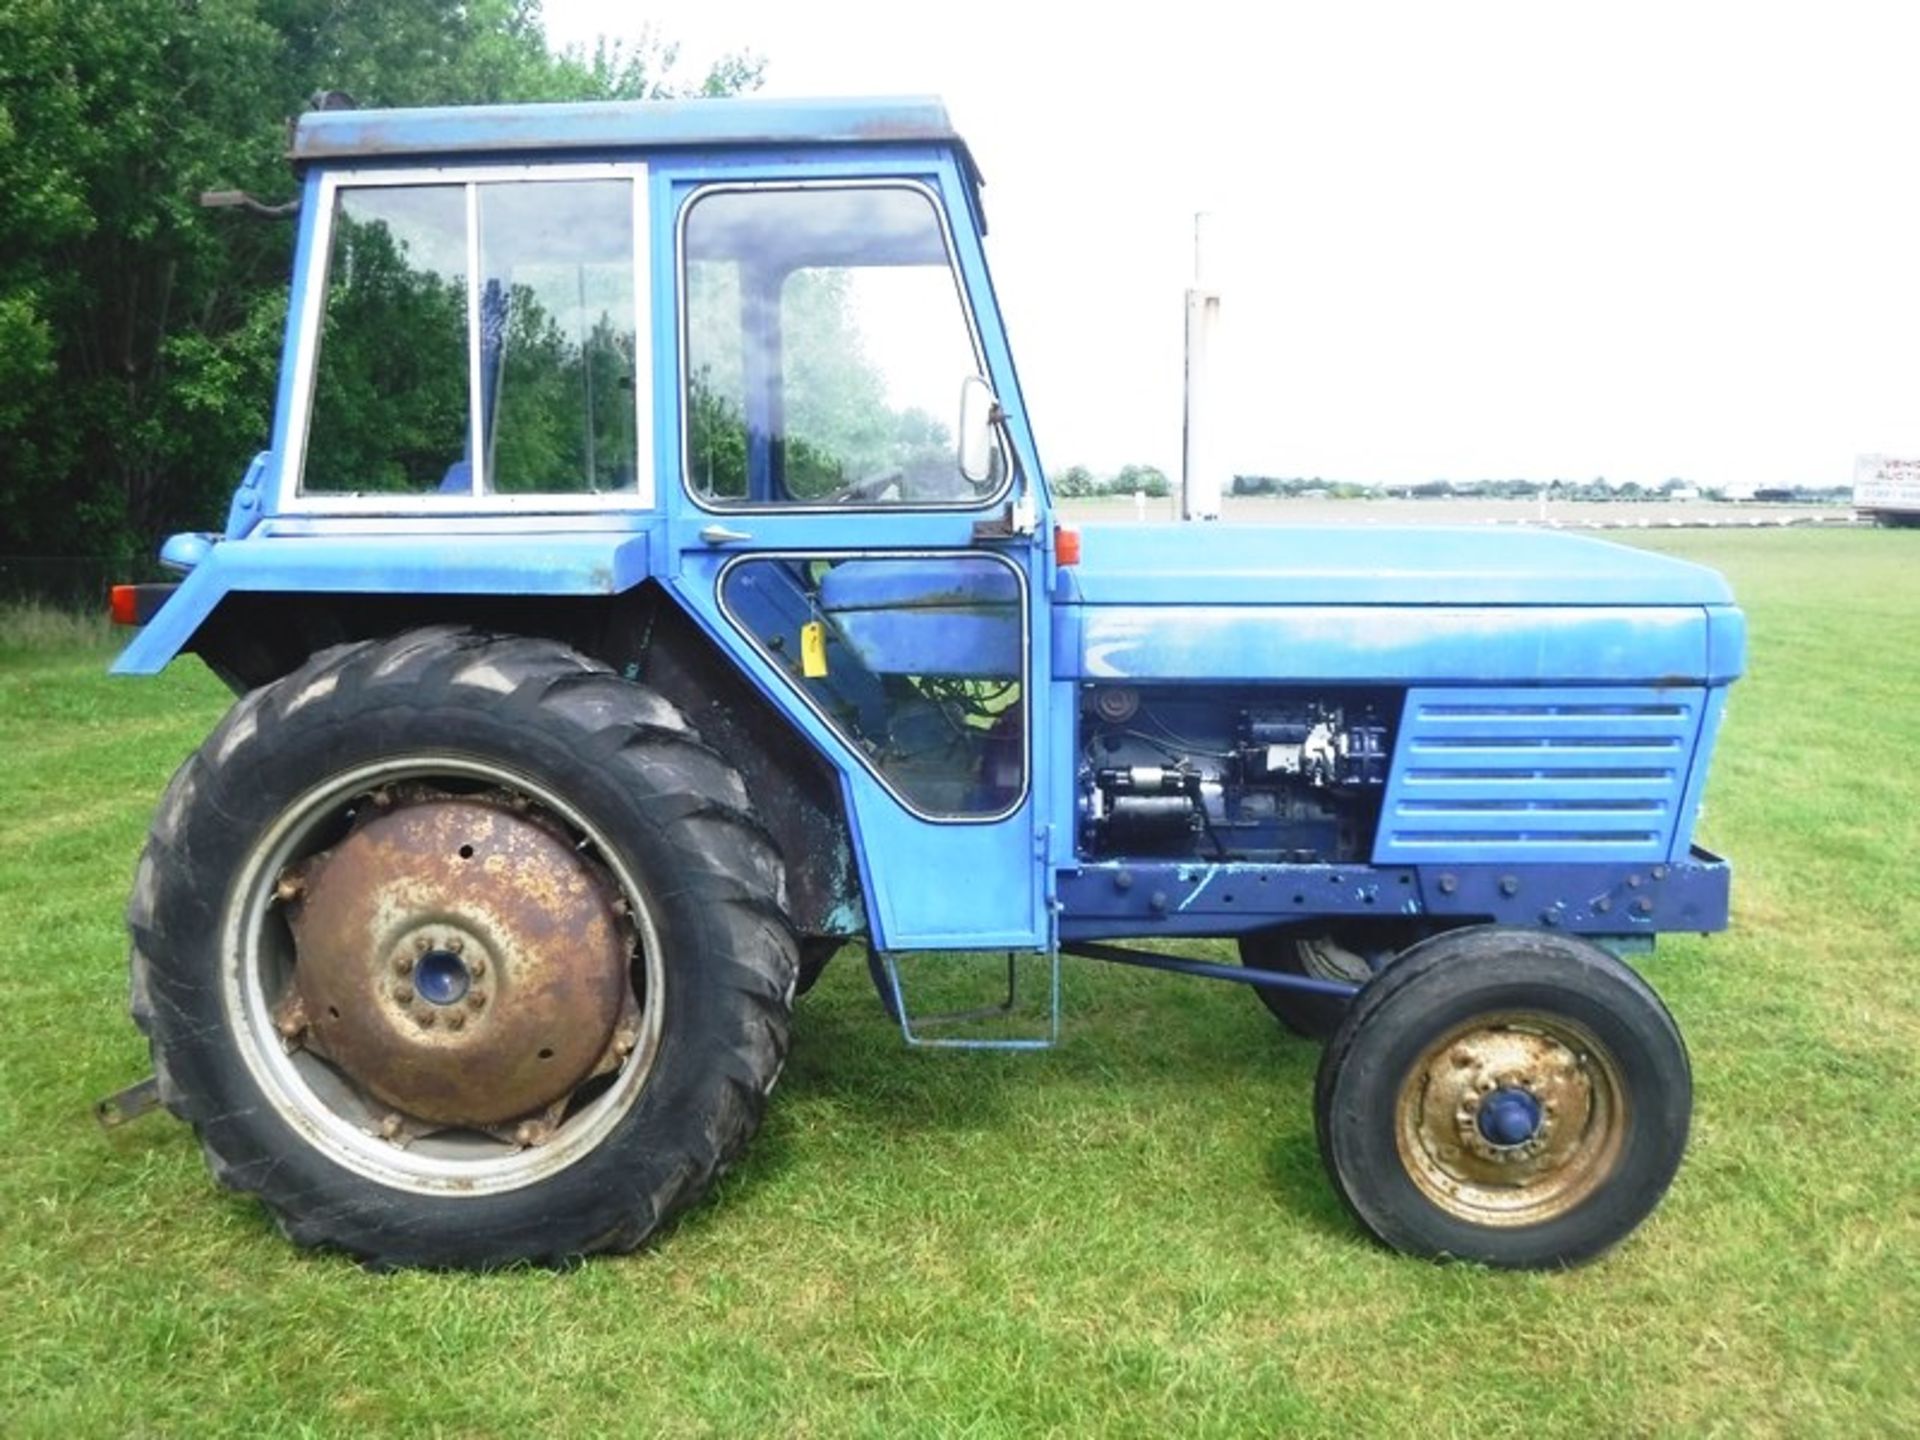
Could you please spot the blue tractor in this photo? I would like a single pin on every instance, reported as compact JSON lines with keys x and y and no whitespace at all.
{"x":652,"y":587}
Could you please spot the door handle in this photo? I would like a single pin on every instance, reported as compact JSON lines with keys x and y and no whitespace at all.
{"x":721,"y":535}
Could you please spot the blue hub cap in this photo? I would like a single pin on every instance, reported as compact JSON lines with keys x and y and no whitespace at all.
{"x":441,"y":978}
{"x":1509,"y":1117}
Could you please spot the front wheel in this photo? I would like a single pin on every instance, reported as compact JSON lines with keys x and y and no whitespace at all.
{"x":1514,"y":1097}
{"x":1348,"y":955}
{"x":459,"y":950}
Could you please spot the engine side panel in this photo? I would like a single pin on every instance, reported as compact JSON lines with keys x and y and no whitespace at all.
{"x":1539,"y":774}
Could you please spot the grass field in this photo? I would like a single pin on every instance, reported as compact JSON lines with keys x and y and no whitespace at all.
{"x":1129,"y":1235}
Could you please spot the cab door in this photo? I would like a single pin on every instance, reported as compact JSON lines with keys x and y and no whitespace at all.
{"x":824,"y":531}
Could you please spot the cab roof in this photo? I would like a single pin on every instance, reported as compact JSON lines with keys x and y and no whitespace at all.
{"x":347,"y":135}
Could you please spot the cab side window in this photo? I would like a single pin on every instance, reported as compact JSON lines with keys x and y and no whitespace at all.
{"x":825,"y":345}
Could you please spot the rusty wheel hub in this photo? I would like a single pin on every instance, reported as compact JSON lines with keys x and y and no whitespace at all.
{"x":1511,"y":1120}
{"x":460,"y":959}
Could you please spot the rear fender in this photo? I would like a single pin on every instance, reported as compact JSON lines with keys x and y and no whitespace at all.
{"x":478,"y":568}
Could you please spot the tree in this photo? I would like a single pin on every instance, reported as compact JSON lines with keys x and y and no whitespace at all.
{"x":1148,"y":478}
{"x":1073,"y":482}
{"x":140,"y":334}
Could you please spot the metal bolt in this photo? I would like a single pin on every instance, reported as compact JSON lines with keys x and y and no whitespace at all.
{"x":403,"y":994}
{"x":476,"y":999}
{"x":382,"y":799}
{"x":1634,"y":882}
{"x":455,"y":944}
{"x":1643,"y":906}
{"x":422,"y":944}
{"x":1509,"y":885}
{"x":1659,"y":872}
{"x":391,"y":1126}
{"x":1157,"y":902}
{"x":1602,"y":905}
{"x":1549,"y":918}
{"x":1449,"y":884}
{"x":1462,"y":1059}
{"x":402,"y":965}
{"x":477,"y":966}
{"x":527,"y":1134}
{"x":290,"y":1026}
{"x":289,"y":888}
{"x":455,"y":1020}
{"x":424,"y":1017}
{"x":1123,"y":879}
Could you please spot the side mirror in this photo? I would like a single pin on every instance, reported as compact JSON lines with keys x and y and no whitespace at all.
{"x":978,"y":411}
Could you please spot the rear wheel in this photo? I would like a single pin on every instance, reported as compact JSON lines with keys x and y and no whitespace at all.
{"x":459,"y":950}
{"x":1514,"y":1097}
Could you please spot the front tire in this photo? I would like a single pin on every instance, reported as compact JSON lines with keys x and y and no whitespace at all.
{"x":1514,"y":1097}
{"x":1352,"y":954}
{"x":459,"y":950}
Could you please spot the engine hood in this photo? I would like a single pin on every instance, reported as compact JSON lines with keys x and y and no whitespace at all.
{"x":1215,"y":564}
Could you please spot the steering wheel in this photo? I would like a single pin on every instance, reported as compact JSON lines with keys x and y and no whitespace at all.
{"x":869,"y":489}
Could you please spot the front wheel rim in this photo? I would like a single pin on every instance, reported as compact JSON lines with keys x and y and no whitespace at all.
{"x":1512,"y":1119}
{"x":336,"y":1116}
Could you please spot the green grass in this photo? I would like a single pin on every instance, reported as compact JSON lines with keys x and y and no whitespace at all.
{"x":1129,"y":1235}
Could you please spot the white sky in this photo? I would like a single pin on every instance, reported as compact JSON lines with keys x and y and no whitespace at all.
{"x":1454,"y":240}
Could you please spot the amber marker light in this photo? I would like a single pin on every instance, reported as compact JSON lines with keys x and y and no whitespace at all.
{"x":1066,"y":545}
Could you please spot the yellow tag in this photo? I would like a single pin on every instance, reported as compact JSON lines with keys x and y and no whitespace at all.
{"x":813,"y":650}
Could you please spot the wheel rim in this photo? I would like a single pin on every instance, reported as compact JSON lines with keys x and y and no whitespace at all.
{"x":1512,"y":1119}
{"x":533,"y":991}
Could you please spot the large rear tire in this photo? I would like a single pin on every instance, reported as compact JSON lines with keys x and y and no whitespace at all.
{"x":459,"y":950}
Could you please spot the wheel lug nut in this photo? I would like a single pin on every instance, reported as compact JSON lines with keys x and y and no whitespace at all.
{"x":476,"y":999}
{"x":424,"y":1017}
{"x":422,"y":944}
{"x":477,"y":966}
{"x":455,"y":1020}
{"x":455,"y":944}
{"x":403,"y":994}
{"x":390,"y":1127}
{"x":402,"y":965}
{"x":526,"y":1134}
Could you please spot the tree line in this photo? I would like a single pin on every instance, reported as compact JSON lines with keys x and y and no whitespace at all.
{"x":139,"y":332}
{"x":1077,"y":482}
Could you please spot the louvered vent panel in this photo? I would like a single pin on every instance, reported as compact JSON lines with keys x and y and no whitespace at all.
{"x":1574,"y":774}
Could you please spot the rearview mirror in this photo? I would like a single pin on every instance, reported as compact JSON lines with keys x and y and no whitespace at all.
{"x":978,"y":411}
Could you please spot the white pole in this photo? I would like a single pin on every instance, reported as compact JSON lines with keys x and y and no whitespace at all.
{"x":1200,"y":475}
